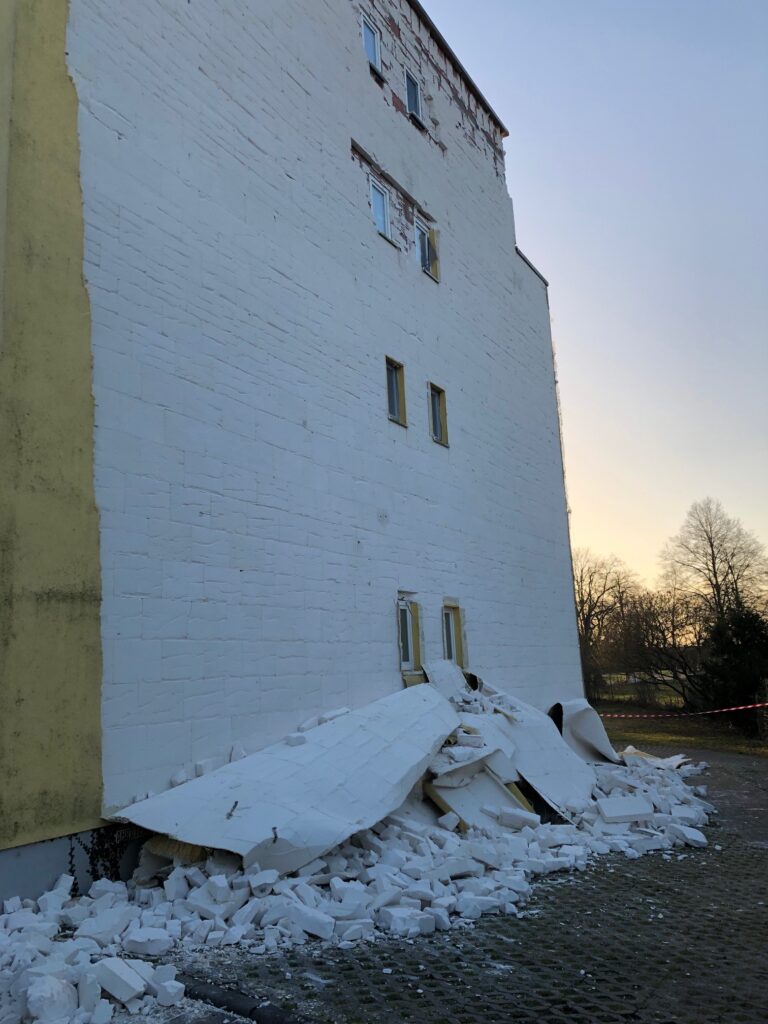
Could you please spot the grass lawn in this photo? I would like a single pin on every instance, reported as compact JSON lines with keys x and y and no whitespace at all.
{"x":707,"y":732}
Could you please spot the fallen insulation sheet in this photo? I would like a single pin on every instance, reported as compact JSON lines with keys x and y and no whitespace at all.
{"x":631,"y":755}
{"x":583,"y":730}
{"x":286,"y":805}
{"x":477,"y":803}
{"x":542,"y":756}
{"x":447,"y":678}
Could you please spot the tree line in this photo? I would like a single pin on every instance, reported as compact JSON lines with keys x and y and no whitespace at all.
{"x":701,"y":633}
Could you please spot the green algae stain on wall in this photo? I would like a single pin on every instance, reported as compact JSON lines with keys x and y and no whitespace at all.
{"x":50,"y":585}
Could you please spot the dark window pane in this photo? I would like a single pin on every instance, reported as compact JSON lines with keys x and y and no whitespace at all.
{"x":393,"y":394}
{"x":414,"y":100}
{"x":405,"y":640}
{"x":448,"y":623}
{"x":424,"y":254}
{"x":437,"y":426}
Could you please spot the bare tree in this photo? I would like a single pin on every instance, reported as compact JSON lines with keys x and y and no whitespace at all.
{"x":601,"y":587}
{"x":672,"y":628}
{"x":715,"y":558}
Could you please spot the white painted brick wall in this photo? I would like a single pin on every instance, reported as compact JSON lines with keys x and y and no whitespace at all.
{"x":259,"y":511}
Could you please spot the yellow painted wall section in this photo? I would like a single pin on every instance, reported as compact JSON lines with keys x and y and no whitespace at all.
{"x":50,"y":585}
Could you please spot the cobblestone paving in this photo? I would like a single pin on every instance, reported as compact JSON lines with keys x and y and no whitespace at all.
{"x":651,"y":941}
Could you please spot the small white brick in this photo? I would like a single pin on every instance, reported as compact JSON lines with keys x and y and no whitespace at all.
{"x":148,"y":942}
{"x":169,"y":993}
{"x":119,"y":979}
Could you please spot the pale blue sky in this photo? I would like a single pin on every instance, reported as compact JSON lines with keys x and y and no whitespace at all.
{"x":638,"y":164}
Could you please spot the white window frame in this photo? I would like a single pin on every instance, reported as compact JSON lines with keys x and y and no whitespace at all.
{"x":420,"y":227}
{"x":366,"y":21}
{"x":377,"y":186}
{"x":417,"y":115}
{"x":404,"y":605}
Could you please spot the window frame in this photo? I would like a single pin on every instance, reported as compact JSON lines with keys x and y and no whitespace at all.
{"x":410,"y":669}
{"x":400,"y":416}
{"x":377,"y":186}
{"x":404,"y":613}
{"x":432,"y":265}
{"x":440,"y":437}
{"x":451,"y":613}
{"x":417,"y":116}
{"x":365,"y":21}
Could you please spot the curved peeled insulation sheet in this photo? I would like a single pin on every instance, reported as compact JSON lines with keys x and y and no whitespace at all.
{"x":584,"y":732}
{"x":542,"y":756}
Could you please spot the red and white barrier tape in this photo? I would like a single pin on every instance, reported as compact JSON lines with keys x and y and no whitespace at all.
{"x":691,"y":714}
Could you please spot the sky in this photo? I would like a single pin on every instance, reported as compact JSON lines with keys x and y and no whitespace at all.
{"x":637,"y":161}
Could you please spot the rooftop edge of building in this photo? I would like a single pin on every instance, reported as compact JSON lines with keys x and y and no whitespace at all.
{"x":441,"y":41}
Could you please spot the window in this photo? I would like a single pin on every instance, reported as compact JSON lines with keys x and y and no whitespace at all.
{"x":408,"y":637}
{"x":405,"y":624}
{"x":437,"y":418}
{"x":453,"y":644}
{"x":372,"y":44}
{"x":396,"y":391}
{"x":380,"y":207}
{"x":413,"y":97}
{"x":426,"y":248}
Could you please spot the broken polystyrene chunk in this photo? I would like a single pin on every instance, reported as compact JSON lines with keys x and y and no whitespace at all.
{"x":309,"y":723}
{"x":314,"y":922}
{"x":169,"y":993}
{"x":449,"y":821}
{"x":688,"y":835}
{"x":102,"y":1013}
{"x":51,"y":999}
{"x":296,"y":803}
{"x":88,"y":992}
{"x":406,"y":921}
{"x":148,"y":941}
{"x":119,"y":979}
{"x":176,"y":885}
{"x":631,"y":756}
{"x":615,"y":809}
{"x":516,"y":817}
{"x":109,"y":923}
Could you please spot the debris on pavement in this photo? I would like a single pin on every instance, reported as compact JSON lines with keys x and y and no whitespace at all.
{"x":407,"y":817}
{"x":286,"y":805}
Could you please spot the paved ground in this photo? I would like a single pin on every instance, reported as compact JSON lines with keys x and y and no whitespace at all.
{"x":650,"y":941}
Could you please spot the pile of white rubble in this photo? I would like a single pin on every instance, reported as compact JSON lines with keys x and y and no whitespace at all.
{"x":65,"y":958}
